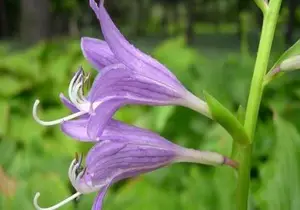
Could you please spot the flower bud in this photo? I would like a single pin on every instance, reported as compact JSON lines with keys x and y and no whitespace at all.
{"x":290,"y":64}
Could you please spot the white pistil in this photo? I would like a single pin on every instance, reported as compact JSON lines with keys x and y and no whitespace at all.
{"x":75,"y":180}
{"x":56,"y":206}
{"x":53,"y":122}
{"x":76,"y":96}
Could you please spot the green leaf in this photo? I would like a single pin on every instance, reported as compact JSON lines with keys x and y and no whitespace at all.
{"x":21,"y":64}
{"x":55,"y":163}
{"x":51,"y":188}
{"x":280,"y":175}
{"x":225,"y":183}
{"x":208,"y":189}
{"x":177,"y":56}
{"x":63,"y":144}
{"x":141,"y":194}
{"x":292,"y":51}
{"x":241,"y":114}
{"x":4,"y":117}
{"x":217,"y":139}
{"x":156,"y":118}
{"x":86,"y":201}
{"x":25,"y":129}
{"x":199,"y":190}
{"x":10,"y":86}
{"x":58,"y":69}
{"x":7,"y":150}
{"x":235,"y":152}
{"x":20,"y":166}
{"x":130,"y":114}
{"x":20,"y":198}
{"x":225,"y":118}
{"x":161,"y":116}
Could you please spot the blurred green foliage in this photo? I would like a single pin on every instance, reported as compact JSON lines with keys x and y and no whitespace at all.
{"x":36,"y":159}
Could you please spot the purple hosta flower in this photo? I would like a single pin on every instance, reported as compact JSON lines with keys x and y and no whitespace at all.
{"x":127,"y":76}
{"x":111,"y":161}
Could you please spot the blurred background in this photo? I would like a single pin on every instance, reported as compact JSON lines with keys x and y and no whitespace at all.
{"x":208,"y":45}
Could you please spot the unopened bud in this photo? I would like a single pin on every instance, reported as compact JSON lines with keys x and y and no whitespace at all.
{"x":290,"y":64}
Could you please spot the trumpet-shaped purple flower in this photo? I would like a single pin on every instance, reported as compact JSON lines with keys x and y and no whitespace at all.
{"x":127,"y":76}
{"x":110,"y":161}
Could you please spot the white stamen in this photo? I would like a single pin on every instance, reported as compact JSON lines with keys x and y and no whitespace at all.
{"x":76,"y":94}
{"x":71,"y":168}
{"x":79,"y":176}
{"x":84,"y":81}
{"x":76,"y":89}
{"x":73,"y":172}
{"x":53,"y":122}
{"x":71,"y":85}
{"x":56,"y":206}
{"x":74,"y":84}
{"x":81,"y":97}
{"x":80,"y":92}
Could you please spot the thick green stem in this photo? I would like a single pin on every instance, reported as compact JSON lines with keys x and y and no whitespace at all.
{"x":254,"y":100}
{"x":243,"y":155}
{"x":262,"y":4}
{"x":261,"y":65}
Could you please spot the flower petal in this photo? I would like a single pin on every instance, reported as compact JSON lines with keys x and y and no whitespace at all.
{"x":121,"y":132}
{"x":105,"y":78}
{"x":102,"y":115}
{"x":99,"y":199}
{"x":129,"y":160}
{"x":121,"y":82}
{"x":111,"y":103}
{"x":107,"y":148}
{"x":71,"y":106}
{"x":68,"y":103}
{"x":114,"y":131}
{"x":97,"y":52}
{"x":117,"y":86}
{"x":77,"y":129}
{"x":127,"y":53}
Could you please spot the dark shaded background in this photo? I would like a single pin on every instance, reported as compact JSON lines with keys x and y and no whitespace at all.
{"x":30,"y":21}
{"x":208,"y":45}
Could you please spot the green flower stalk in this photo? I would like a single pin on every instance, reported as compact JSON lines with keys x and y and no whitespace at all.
{"x":256,"y":90}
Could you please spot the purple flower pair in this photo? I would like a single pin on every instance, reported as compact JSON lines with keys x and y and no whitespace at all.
{"x":126,"y":76}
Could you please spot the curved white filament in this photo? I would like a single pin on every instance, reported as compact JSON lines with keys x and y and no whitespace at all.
{"x":56,"y":206}
{"x":53,"y":122}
